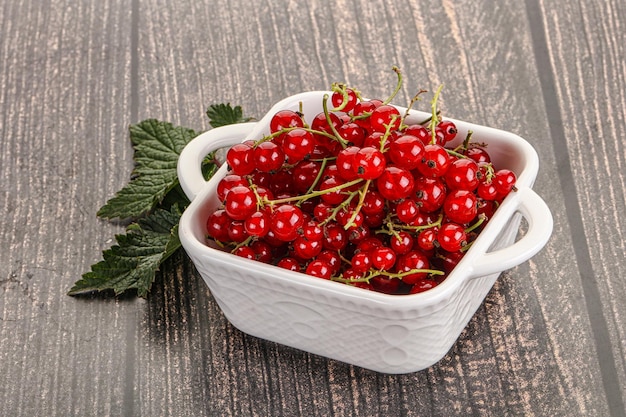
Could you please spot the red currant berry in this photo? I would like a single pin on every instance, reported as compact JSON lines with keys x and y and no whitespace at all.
{"x":361,"y":262}
{"x":451,"y":237}
{"x":395,"y":183}
{"x":335,"y":237}
{"x":228,"y":182}
{"x":435,"y":161}
{"x":369,"y":163}
{"x":237,"y":231}
{"x":479,"y":155}
{"x":462,"y":175}
{"x":407,"y":210}
{"x":333,"y":195}
{"x":401,"y":243}
{"x":285,"y":119}
{"x":262,"y":251}
{"x":362,"y":112}
{"x":304,"y":174}
{"x":383,"y":258}
{"x":373,"y":203}
{"x":297,"y":145}
{"x":487,"y":191}
{"x":240,"y":202}
{"x":504,"y":181}
{"x":218,"y":224}
{"x":344,"y":103}
{"x":451,"y":259}
{"x":268,"y":157}
{"x":406,"y":152}
{"x":285,"y":222}
{"x":426,"y":239}
{"x":414,"y":260}
{"x":319,"y":269}
{"x":320,"y":123}
{"x":245,"y":252}
{"x":460,"y":206}
{"x":304,"y":248}
{"x":422,"y":285}
{"x":449,"y":130}
{"x":240,"y":159}
{"x":289,"y":263}
{"x":332,"y":258}
{"x":352,"y":133}
{"x":384,"y":117}
{"x":257,"y":224}
{"x":346,"y":163}
{"x":430,"y":193}
{"x":419,"y":132}
{"x":384,"y":284}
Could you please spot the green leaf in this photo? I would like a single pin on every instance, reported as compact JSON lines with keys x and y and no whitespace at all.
{"x":225,"y":114}
{"x":157,"y":148}
{"x":133,"y":262}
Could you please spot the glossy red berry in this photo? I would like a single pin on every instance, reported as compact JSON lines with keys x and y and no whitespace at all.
{"x":451,"y":237}
{"x":257,"y":224}
{"x":385,"y":117}
{"x":383,"y":258}
{"x":297,"y":145}
{"x":268,"y":157}
{"x":344,"y":103}
{"x":369,"y":163}
{"x":435,"y":161}
{"x":284,"y":119}
{"x":460,"y":206}
{"x":406,"y":152}
{"x":217,"y":225}
{"x":240,"y":159}
{"x":414,"y":260}
{"x":285,"y":222}
{"x":240,"y":202}
{"x":319,"y":269}
{"x":395,"y":183}
{"x":462,"y":174}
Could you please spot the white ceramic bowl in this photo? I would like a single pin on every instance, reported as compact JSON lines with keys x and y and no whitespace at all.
{"x":385,"y":333}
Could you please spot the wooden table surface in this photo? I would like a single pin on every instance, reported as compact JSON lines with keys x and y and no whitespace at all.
{"x":550,"y":338}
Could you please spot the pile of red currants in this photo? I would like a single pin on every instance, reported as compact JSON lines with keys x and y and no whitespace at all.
{"x":356,"y":195}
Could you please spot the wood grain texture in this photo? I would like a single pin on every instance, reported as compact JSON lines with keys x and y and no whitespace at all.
{"x":73,"y":75}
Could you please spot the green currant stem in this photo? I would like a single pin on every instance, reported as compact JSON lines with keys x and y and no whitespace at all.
{"x":398,"y":85}
{"x":375,"y":272}
{"x":383,"y":139}
{"x":246,"y":242}
{"x":466,"y":142}
{"x":362,"y":191}
{"x":317,"y":178}
{"x":314,"y":193}
{"x":289,"y":129}
{"x":455,"y":153}
{"x":414,"y":100}
{"x":341,"y":88}
{"x":424,"y":227}
{"x":434,"y":120}
{"x":336,"y":134}
{"x":337,"y":209}
{"x":481,"y":220}
{"x":466,"y":247}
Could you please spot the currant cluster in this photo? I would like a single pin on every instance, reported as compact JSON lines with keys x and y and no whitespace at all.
{"x":357,"y":195}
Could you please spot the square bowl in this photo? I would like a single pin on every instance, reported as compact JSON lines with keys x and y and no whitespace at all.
{"x":386,"y":333}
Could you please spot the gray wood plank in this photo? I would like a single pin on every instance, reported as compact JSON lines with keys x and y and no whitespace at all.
{"x":64,"y":91}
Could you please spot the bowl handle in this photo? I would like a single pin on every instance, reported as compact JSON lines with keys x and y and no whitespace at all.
{"x":189,"y":166}
{"x":540,"y":223}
